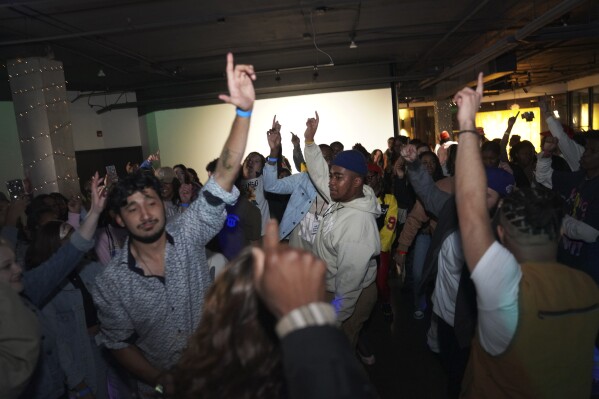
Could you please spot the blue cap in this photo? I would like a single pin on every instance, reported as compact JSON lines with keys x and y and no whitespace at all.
{"x":500,"y":181}
{"x":352,"y":160}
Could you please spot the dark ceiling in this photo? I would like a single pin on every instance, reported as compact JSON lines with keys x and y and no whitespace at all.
{"x":172,"y":53}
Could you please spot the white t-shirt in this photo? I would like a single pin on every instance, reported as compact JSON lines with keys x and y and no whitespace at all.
{"x":450,"y":262}
{"x":253,"y":190}
{"x":497,"y":280}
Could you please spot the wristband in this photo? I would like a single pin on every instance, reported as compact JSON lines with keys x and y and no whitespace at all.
{"x":184,"y":205}
{"x":243,"y":114}
{"x":469,"y":131}
{"x":402,"y":252}
{"x":272,"y":159}
{"x":84,"y":392}
{"x":307,"y":142}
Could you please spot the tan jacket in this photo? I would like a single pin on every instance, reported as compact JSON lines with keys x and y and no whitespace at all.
{"x":551,"y":354}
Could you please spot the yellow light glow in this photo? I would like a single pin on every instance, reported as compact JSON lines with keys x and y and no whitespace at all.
{"x":495,"y":124}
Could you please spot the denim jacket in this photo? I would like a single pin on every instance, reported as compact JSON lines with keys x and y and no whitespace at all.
{"x":67,"y":311}
{"x":302,"y":193}
{"x":40,"y":286}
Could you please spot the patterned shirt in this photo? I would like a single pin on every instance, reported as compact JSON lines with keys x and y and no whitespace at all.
{"x":159,"y":314}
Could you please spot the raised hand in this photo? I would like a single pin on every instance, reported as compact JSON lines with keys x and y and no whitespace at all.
{"x":295,"y":140}
{"x":409,"y":153}
{"x":286,"y":278}
{"x":549,"y":146}
{"x":468,"y":102}
{"x":154,"y":157}
{"x":311,"y":127}
{"x":274,"y":139}
{"x":239,"y":82}
{"x":273,"y":135}
{"x":98,"y":193}
{"x":511,"y":121}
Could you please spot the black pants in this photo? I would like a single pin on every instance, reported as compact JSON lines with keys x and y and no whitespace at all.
{"x":453,"y":358}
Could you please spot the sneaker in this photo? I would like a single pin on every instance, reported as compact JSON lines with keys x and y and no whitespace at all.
{"x":419,"y":315}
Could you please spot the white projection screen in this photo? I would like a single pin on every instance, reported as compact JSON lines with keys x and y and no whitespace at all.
{"x":195,"y":136}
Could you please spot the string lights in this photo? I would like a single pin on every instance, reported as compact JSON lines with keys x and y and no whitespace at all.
{"x":33,"y":88}
{"x":57,"y":128}
{"x":40,"y":105}
{"x":46,"y":156}
{"x":68,"y":177}
{"x":40,"y":96}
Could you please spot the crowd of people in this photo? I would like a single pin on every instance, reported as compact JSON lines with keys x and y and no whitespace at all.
{"x":259,"y":283}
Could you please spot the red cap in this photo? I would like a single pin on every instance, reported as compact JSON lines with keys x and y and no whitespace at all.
{"x":444,"y":135}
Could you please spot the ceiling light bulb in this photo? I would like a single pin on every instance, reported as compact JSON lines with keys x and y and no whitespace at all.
{"x":353,"y":44}
{"x":101,"y":74}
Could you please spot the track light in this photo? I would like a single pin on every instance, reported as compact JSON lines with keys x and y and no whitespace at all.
{"x":353,"y":44}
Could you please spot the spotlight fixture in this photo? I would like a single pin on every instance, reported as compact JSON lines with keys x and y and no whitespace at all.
{"x":315,"y":73}
{"x":277,"y":75}
{"x":101,"y":73}
{"x":352,"y":43}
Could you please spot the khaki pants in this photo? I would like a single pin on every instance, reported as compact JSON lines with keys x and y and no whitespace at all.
{"x":364,"y":305}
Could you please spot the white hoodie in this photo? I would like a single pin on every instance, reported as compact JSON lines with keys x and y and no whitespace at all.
{"x":347,"y":239}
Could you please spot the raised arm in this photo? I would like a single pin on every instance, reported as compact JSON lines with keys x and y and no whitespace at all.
{"x":272,"y":183}
{"x":506,"y":138}
{"x":430,"y":195}
{"x":242,"y":95}
{"x":298,"y":157}
{"x":41,"y":281}
{"x":571,"y":150}
{"x":471,"y":181}
{"x":317,"y":166}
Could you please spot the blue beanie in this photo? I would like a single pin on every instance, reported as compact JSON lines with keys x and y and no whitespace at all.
{"x":352,"y":160}
{"x":500,"y":181}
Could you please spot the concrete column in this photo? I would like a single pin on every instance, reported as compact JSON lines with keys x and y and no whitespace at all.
{"x":442,"y":118}
{"x":44,"y":125}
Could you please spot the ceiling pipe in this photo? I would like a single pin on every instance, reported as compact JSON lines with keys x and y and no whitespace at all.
{"x":508,"y":43}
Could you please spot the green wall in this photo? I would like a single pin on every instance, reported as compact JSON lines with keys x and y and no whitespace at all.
{"x":10,"y":149}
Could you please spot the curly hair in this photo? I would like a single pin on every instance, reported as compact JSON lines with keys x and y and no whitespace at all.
{"x":129,"y":185}
{"x":235,"y":352}
{"x":534,"y":212}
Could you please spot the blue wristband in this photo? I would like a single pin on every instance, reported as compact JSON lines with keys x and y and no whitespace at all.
{"x":272,"y":159}
{"x":243,"y":114}
{"x":184,"y":205}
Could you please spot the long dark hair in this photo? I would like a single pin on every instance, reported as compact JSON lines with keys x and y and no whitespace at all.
{"x":438,"y":172}
{"x":235,"y":352}
{"x":45,"y":243}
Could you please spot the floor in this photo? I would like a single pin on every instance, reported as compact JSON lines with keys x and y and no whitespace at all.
{"x":405,"y":367}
